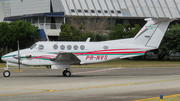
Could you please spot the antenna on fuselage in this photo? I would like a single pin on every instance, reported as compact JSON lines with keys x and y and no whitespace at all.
{"x":88,"y":39}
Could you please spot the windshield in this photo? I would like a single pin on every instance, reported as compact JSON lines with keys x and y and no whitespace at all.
{"x":33,"y":46}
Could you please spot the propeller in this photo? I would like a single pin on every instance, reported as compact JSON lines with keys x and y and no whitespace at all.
{"x":18,"y":55}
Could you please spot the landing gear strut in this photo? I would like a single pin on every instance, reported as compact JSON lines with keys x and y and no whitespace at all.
{"x":48,"y":67}
{"x":6,"y":73}
{"x":67,"y":72}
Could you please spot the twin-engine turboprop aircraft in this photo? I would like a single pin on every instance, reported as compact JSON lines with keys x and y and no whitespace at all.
{"x":62,"y":54}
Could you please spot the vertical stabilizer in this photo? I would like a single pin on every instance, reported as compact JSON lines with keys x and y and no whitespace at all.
{"x":152,"y":33}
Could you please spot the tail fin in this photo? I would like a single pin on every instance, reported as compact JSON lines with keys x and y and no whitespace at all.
{"x":152,"y":33}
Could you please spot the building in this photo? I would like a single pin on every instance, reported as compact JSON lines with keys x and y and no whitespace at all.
{"x":48,"y":15}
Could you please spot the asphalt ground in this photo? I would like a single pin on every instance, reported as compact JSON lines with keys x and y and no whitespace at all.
{"x":90,"y":84}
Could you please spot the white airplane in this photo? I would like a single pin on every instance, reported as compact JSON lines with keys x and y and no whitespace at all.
{"x":62,"y":54}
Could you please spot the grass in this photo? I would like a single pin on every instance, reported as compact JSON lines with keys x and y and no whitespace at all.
{"x":124,"y":64}
{"x":2,"y":64}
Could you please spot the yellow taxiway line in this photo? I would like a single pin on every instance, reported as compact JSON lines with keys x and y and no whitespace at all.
{"x":50,"y":90}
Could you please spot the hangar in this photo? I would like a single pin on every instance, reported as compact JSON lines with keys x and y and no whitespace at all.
{"x":48,"y":15}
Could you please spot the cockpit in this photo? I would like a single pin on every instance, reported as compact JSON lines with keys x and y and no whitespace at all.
{"x":39,"y":47}
{"x":33,"y":46}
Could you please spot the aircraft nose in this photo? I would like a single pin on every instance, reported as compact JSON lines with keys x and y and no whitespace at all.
{"x":4,"y":58}
{"x":8,"y":57}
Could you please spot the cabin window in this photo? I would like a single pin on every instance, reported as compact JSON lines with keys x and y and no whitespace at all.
{"x":75,"y":47}
{"x":62,"y":47}
{"x":69,"y":47}
{"x":33,"y":46}
{"x":41,"y":47}
{"x":82,"y":47}
{"x":55,"y":46}
{"x":105,"y":47}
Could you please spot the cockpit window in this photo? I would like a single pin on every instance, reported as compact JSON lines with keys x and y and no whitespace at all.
{"x":41,"y":47}
{"x":33,"y":46}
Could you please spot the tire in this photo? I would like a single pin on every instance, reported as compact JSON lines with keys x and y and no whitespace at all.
{"x":64,"y":73}
{"x":6,"y":73}
{"x":67,"y":73}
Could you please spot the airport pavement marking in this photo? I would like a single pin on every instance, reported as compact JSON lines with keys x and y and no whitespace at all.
{"x":176,"y":95}
{"x":50,"y":90}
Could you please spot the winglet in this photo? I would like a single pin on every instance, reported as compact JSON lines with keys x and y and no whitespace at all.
{"x":88,"y":39}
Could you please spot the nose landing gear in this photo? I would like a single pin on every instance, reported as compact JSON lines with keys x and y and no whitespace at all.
{"x":6,"y":73}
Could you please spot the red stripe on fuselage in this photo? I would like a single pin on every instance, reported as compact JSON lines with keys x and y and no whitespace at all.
{"x":102,"y":52}
{"x":44,"y":57}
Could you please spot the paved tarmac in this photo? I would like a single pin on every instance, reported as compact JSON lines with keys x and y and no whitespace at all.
{"x":89,"y":84}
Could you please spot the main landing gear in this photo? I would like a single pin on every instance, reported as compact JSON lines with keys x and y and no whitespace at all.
{"x":67,"y":72}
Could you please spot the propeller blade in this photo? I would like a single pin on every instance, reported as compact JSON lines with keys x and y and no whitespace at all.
{"x":18,"y":55}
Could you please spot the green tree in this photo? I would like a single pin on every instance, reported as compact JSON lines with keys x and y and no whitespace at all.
{"x":120,"y":31}
{"x":117,"y":32}
{"x":19,"y":30}
{"x":133,"y":31}
{"x":4,"y":29}
{"x":70,"y":33}
{"x":176,"y":25}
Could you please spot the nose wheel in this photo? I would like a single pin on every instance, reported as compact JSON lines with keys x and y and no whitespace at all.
{"x":66,"y":73}
{"x":6,"y":73}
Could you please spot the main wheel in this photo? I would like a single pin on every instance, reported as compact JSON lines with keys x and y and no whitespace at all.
{"x":66,"y":73}
{"x":6,"y":73}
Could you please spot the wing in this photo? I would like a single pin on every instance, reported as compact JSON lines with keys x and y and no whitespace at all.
{"x":69,"y":58}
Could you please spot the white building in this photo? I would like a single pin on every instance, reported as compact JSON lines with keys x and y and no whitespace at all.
{"x":49,"y":14}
